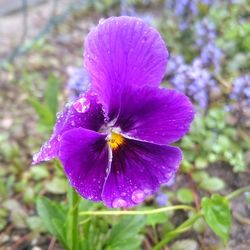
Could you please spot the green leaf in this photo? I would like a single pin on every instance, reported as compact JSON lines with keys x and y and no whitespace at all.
{"x":51,"y":94}
{"x":53,"y":217}
{"x":189,"y":244}
{"x":57,"y":186}
{"x":185,"y":195}
{"x":153,"y":219}
{"x":47,"y":117}
{"x":125,"y":233}
{"x":217,"y":215}
{"x":200,"y":162}
{"x":39,"y":172}
{"x":35,"y":223}
{"x":199,"y":176}
{"x":212,"y":184}
{"x":200,"y":225}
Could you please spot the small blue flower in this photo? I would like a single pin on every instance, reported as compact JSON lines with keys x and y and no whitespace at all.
{"x":161,"y":199}
{"x":193,"y":80}
{"x":78,"y":82}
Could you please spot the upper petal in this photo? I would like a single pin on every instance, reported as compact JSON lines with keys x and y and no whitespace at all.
{"x":155,"y":114}
{"x":123,"y":51}
{"x":84,"y":155}
{"x":137,"y":170}
{"x":85,"y":112}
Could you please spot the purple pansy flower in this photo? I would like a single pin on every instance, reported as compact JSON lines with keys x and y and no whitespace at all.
{"x":112,"y":141}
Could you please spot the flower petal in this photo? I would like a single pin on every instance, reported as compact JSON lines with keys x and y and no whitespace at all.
{"x":85,"y":112}
{"x":84,"y":155}
{"x":137,"y":170}
{"x":155,"y":115}
{"x":123,"y":51}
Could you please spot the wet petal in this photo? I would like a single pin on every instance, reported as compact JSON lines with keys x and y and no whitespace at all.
{"x":120,"y":52}
{"x":84,"y":155}
{"x":85,"y":112}
{"x":137,"y":170}
{"x":156,"y":115}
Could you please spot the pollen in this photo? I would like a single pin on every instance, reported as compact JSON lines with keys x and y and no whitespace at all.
{"x":115,"y":141}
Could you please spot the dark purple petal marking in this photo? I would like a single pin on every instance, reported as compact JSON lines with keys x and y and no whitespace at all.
{"x":85,"y":112}
{"x":85,"y":157}
{"x":156,"y":115}
{"x":137,"y":170}
{"x":121,"y":52}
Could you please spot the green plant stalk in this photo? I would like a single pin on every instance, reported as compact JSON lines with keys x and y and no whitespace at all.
{"x":73,"y":231}
{"x":237,"y":192}
{"x":185,"y":226}
{"x":143,"y":212}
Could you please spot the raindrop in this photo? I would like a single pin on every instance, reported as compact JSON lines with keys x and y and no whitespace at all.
{"x":101,"y":21}
{"x":119,"y":202}
{"x":168,"y":175}
{"x":35,"y":156}
{"x":147,"y":191}
{"x":138,"y":196}
{"x":81,"y":105}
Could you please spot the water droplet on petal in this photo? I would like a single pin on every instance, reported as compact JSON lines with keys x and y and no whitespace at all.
{"x":81,"y":105}
{"x":118,"y":202}
{"x":148,"y":191}
{"x":101,"y":21}
{"x":35,"y":156}
{"x":138,"y":196}
{"x":168,"y":175}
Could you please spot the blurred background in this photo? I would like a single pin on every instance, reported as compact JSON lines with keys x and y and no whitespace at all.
{"x":41,"y":49}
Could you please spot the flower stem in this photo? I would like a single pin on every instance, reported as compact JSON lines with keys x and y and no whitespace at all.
{"x":140,"y":212}
{"x":73,"y":220}
{"x":186,"y":225}
{"x":237,"y":192}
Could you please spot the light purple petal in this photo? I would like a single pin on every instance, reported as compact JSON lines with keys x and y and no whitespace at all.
{"x":121,"y":52}
{"x":160,"y":116}
{"x":84,"y":155}
{"x":85,"y":112}
{"x":137,"y":170}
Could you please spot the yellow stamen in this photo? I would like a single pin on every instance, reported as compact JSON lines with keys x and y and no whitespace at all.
{"x":115,"y":140}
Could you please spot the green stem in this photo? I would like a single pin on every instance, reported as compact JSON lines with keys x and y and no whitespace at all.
{"x":186,"y":225}
{"x":143,"y":212}
{"x":237,"y":192}
{"x":73,"y":220}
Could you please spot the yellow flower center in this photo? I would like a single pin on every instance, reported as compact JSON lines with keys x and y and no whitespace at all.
{"x":115,"y":141}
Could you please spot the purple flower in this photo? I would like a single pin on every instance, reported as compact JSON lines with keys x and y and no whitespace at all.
{"x":241,"y":90}
{"x":206,"y":35}
{"x":193,"y":80}
{"x":113,"y":141}
{"x":211,"y":55}
{"x":205,"y":31}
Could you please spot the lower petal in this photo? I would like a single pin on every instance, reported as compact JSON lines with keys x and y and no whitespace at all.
{"x":137,"y":170}
{"x":84,"y":112}
{"x":84,"y":155}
